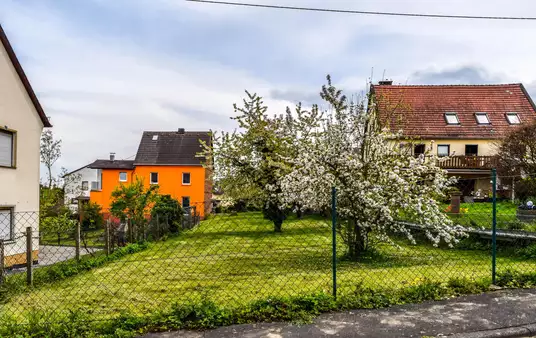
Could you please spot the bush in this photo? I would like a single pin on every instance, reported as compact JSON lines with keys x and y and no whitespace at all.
{"x":167,"y":209}
{"x":92,"y":216}
{"x":526,"y":189}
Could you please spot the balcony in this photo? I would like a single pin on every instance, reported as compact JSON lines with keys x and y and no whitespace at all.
{"x":468,"y":162}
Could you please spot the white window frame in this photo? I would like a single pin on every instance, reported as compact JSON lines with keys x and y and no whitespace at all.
{"x":13,"y":135}
{"x":515,"y":115}
{"x":11,"y":210}
{"x":126,"y":176}
{"x":443,"y":145}
{"x":151,"y":178}
{"x":190,"y":179}
{"x":449,"y":114}
{"x":484,"y":115}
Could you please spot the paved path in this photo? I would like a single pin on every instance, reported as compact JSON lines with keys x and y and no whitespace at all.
{"x":51,"y":254}
{"x":494,"y":310}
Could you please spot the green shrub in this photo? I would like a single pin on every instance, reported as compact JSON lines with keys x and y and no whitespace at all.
{"x":515,"y":279}
{"x":528,"y":252}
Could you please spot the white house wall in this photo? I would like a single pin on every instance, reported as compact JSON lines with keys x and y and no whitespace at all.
{"x":19,"y":188}
{"x":73,"y":187}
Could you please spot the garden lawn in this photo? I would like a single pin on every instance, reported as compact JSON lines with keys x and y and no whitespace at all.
{"x":233,"y":260}
{"x":479,"y":215}
{"x":93,"y":238}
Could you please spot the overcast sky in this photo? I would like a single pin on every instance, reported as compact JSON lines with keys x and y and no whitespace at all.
{"x":104,"y":70}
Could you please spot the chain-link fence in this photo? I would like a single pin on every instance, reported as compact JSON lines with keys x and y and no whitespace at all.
{"x":233,"y":256}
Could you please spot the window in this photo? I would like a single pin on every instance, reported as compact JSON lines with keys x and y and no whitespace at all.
{"x":186,"y":178}
{"x":74,"y":201}
{"x":452,"y":118}
{"x":155,"y":137}
{"x":154,"y":178}
{"x":7,"y":148}
{"x":513,"y":118}
{"x":471,"y":150}
{"x":85,"y":186}
{"x":6,"y":223}
{"x":482,"y":118}
{"x":185,"y":201}
{"x":122,"y":176}
{"x":419,"y":149}
{"x":443,"y":149}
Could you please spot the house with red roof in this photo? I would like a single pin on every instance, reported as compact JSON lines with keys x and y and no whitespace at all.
{"x":463,"y":123}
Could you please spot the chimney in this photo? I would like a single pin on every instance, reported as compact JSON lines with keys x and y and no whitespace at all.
{"x":112,"y":156}
{"x":181,"y":131}
{"x":385,"y":82}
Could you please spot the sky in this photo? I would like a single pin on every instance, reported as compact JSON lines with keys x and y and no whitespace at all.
{"x":105,"y":71}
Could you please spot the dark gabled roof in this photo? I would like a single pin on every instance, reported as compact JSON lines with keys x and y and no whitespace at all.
{"x":109,"y":164}
{"x":419,"y":110}
{"x":23,"y":78}
{"x":171,"y":148}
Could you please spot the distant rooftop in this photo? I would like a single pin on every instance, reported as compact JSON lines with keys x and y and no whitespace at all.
{"x":454,"y":111}
{"x":171,"y":147}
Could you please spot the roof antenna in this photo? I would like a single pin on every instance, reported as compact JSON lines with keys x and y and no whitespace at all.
{"x":371,"y":74}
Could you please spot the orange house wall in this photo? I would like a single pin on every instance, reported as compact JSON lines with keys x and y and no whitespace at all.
{"x":110,"y":180}
{"x":169,"y":183}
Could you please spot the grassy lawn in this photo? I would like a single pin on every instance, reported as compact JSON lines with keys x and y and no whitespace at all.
{"x":480,"y":215}
{"x":236,"y":259}
{"x":94,"y":238}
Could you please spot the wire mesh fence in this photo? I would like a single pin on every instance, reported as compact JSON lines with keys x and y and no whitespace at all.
{"x":234,"y":257}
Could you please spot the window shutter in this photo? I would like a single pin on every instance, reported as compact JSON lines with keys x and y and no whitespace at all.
{"x":6,"y":149}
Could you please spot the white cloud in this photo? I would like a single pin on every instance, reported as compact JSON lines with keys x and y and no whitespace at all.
{"x":101,"y":95}
{"x":102,"y":90}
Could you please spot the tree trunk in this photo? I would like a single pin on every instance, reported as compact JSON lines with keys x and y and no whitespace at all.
{"x":278,"y":225}
{"x":357,"y":241}
{"x":49,"y":177}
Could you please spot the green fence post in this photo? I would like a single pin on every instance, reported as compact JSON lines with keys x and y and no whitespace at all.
{"x":334,"y":238}
{"x":494,"y":227}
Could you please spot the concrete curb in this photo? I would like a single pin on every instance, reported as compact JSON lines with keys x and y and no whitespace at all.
{"x":527,"y":330}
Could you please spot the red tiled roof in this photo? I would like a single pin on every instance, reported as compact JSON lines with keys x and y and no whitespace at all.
{"x":419,"y":110}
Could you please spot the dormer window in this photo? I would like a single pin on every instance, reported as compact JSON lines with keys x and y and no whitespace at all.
{"x":452,"y":118}
{"x":482,"y":118}
{"x":513,"y":118}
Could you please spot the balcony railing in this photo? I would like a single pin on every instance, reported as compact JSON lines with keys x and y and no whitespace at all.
{"x":468,"y":162}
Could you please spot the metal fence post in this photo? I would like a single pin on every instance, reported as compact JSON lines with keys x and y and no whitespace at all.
{"x":77,"y":241}
{"x":29,"y":256}
{"x":494,"y":227}
{"x":334,"y":238}
{"x":2,"y":263}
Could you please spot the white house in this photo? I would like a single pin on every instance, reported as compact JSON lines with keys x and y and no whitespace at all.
{"x":21,"y":122}
{"x":78,"y":184}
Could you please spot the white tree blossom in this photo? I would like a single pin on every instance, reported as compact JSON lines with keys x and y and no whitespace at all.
{"x":378,"y":183}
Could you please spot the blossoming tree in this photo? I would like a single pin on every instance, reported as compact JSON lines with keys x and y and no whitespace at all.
{"x":377,"y":181}
{"x":249,"y":163}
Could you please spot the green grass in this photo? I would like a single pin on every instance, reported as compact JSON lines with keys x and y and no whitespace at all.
{"x":479,"y":215}
{"x":234,"y":260}
{"x":93,"y":238}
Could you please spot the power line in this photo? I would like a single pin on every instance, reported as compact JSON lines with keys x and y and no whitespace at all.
{"x":348,"y":11}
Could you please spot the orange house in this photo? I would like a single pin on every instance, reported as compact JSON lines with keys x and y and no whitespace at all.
{"x":166,"y":159}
